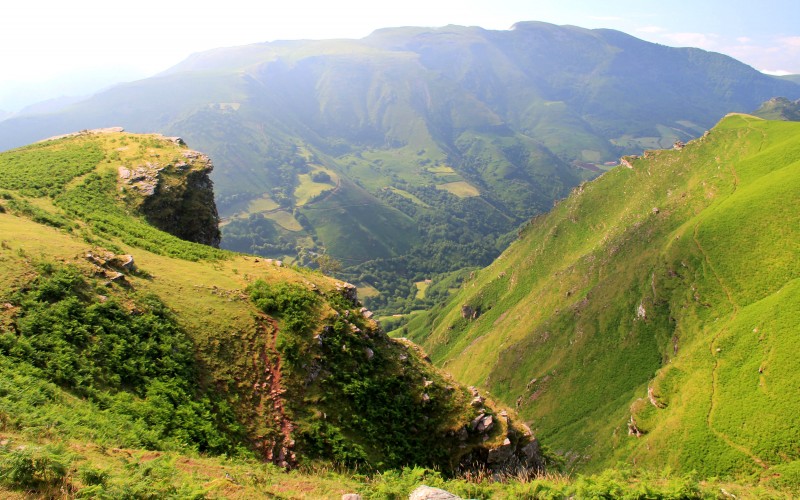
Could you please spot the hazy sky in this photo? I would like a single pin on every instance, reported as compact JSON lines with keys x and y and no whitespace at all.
{"x":70,"y":43}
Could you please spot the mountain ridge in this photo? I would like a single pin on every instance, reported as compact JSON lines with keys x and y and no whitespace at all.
{"x":638,"y":298}
{"x":495,"y":125}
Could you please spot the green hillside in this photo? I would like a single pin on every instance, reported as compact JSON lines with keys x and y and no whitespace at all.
{"x":115,"y":335}
{"x":649,"y":317}
{"x":779,"y":108}
{"x":454,"y":135}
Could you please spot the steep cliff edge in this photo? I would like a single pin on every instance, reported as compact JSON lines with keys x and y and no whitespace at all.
{"x":176,"y":194}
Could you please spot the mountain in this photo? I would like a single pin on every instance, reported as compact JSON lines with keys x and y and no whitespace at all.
{"x":120,"y":329}
{"x":650,"y":316}
{"x":779,"y":108}
{"x":415,"y":152}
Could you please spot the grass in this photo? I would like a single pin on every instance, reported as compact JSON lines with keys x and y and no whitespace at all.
{"x":366,"y":290}
{"x":309,"y":189}
{"x":409,"y":196}
{"x":285,"y":220}
{"x":461,"y":189}
{"x":422,"y":287}
{"x":265,"y":203}
{"x":702,"y":241}
{"x":80,"y":470}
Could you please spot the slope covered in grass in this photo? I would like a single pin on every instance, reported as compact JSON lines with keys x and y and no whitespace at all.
{"x":117,"y":334}
{"x":650,"y":317}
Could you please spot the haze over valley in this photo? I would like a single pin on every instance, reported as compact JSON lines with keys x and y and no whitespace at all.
{"x":536,"y":260}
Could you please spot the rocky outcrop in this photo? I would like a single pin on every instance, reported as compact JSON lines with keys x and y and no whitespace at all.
{"x":468,"y":312}
{"x":429,"y":493}
{"x":177,"y":197}
{"x":349,"y":292}
{"x":518,"y":452}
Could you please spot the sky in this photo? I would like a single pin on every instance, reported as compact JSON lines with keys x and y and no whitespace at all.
{"x":54,"y":48}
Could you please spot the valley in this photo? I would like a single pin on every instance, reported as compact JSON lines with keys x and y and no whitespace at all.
{"x":541,"y":262}
{"x":437,"y":143}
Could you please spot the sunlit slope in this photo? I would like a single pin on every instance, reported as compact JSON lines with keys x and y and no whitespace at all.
{"x":660,"y":299}
{"x":118,"y":333}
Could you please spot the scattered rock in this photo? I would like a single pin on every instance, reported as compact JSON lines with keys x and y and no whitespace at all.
{"x":477,"y":402}
{"x":428,"y":493}
{"x":427,"y":383}
{"x":633,"y":430}
{"x":482,"y":423}
{"x":467,"y":312}
{"x":641,"y":313}
{"x":369,"y":353}
{"x":348,"y":291}
{"x":351,"y":496}
{"x":176,"y":140}
{"x":425,"y":397}
{"x":653,"y":400}
{"x":502,"y":453}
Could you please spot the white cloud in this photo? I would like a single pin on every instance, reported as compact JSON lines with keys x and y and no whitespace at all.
{"x":744,"y":39}
{"x":651,"y":29}
{"x":706,"y":41}
{"x":606,"y":18}
{"x":780,"y":72}
{"x":792,"y":42}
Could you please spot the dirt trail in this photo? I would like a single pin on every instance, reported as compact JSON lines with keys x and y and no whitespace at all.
{"x":278,"y":451}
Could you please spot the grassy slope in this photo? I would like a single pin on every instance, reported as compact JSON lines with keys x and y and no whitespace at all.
{"x":100,"y":449}
{"x":561,"y":336}
{"x":330,"y":384}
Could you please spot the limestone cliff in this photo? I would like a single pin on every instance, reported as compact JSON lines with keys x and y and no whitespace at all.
{"x":176,"y":195}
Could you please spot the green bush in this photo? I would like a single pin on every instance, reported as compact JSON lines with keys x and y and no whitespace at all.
{"x":131,"y":359}
{"x":292,"y":303}
{"x":33,"y":469}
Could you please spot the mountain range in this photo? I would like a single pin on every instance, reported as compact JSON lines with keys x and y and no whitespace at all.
{"x":636,"y":329}
{"x":415,"y":152}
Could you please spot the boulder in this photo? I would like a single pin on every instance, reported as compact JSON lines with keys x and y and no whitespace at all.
{"x":348,"y":291}
{"x":467,"y":312}
{"x":502,"y":453}
{"x":429,"y":493}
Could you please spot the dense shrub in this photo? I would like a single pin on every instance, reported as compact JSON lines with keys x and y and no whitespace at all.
{"x":129,"y":357}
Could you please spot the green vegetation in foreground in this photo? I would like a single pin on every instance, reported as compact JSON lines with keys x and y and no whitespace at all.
{"x":651,"y":316}
{"x":46,"y":468}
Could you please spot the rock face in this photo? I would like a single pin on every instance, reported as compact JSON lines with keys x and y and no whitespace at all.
{"x":519,"y":452}
{"x":178,"y":197}
{"x":429,"y":493}
{"x":467,"y":312}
